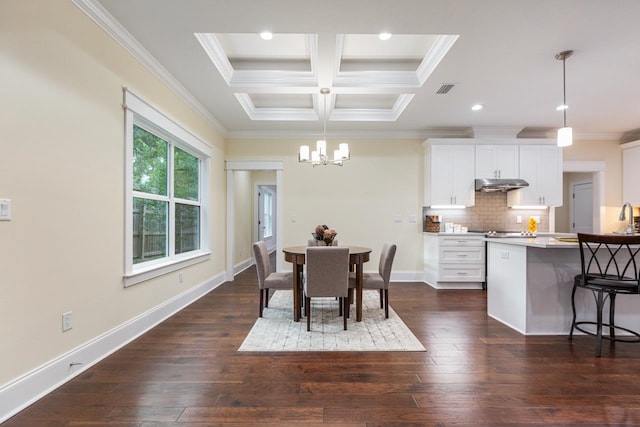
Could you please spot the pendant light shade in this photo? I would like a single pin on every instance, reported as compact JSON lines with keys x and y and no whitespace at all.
{"x":565,"y":133}
{"x":565,"y":137}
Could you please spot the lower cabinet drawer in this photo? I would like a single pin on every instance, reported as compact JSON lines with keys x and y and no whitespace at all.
{"x":461,"y":255}
{"x":462,"y":273}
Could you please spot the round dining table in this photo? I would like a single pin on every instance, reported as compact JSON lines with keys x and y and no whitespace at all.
{"x":358,"y":255}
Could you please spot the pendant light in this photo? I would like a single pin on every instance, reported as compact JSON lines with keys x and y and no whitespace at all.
{"x":565,"y":133}
{"x":319,"y":155}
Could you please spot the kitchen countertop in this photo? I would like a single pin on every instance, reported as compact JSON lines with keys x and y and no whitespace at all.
{"x":543,"y":241}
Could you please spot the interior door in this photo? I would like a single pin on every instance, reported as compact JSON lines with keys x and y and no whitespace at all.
{"x":582,"y":207}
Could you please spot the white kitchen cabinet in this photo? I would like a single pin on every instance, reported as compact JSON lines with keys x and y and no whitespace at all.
{"x":497,"y":161}
{"x":454,"y":261}
{"x":449,"y":175}
{"x":541,"y":167}
{"x":631,"y":173}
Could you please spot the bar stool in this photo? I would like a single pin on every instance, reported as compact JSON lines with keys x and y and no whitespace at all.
{"x":610,"y":266}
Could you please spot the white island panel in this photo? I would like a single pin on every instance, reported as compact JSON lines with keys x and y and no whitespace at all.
{"x":506,"y":284}
{"x":529,"y":284}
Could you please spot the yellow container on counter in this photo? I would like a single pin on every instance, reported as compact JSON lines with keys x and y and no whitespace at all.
{"x":533,"y":225}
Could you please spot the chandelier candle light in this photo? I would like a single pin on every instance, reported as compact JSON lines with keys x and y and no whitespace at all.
{"x":319,"y":155}
{"x":565,"y":133}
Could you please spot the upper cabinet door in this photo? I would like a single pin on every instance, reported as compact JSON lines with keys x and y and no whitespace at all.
{"x":497,"y":161}
{"x":631,"y":173}
{"x":451,"y":177}
{"x":541,"y":167}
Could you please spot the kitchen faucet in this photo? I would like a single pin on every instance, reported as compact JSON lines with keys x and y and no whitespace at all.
{"x":622,"y":217}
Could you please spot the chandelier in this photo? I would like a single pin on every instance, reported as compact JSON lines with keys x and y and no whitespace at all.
{"x":319,"y":155}
{"x":565,"y":133}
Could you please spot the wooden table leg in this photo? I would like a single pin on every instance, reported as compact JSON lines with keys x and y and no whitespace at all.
{"x":296,"y":293}
{"x":359,"y":291}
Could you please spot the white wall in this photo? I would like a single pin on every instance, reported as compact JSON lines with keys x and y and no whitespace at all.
{"x":62,"y":165}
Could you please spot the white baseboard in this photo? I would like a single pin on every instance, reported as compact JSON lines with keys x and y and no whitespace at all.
{"x":455,"y":285}
{"x":22,"y":392}
{"x":407,"y":276}
{"x":243,"y":265}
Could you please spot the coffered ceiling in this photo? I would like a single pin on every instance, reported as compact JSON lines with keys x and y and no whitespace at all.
{"x":442,"y":58}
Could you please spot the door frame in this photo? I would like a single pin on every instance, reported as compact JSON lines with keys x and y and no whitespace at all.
{"x":597,"y":168}
{"x":231,"y":167}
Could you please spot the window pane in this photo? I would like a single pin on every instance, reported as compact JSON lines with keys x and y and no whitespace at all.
{"x":185,"y":172}
{"x":149,"y":229}
{"x":187,"y":228}
{"x":149,"y":162}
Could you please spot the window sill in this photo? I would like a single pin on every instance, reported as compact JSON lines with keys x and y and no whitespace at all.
{"x":156,"y":270}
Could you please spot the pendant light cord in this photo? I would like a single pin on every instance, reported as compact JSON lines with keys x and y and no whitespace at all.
{"x":564,"y":90}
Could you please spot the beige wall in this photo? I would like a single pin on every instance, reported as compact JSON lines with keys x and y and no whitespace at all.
{"x":608,"y":151}
{"x":61,"y":164}
{"x":383,"y":178}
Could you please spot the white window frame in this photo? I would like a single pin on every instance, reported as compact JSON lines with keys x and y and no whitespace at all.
{"x":138,"y":112}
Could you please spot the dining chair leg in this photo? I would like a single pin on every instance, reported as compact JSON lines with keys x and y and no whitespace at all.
{"x":261,"y":303}
{"x":266,"y":298}
{"x":307,"y":312}
{"x":386,"y":303}
{"x":344,"y":301}
{"x":381,"y":299}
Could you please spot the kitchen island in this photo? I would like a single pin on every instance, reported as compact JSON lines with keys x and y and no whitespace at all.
{"x":529,"y":283}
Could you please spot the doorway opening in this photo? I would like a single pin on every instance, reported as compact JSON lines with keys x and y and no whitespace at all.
{"x":233,"y":167}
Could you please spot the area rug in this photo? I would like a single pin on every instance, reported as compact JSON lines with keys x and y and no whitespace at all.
{"x":276,"y":330}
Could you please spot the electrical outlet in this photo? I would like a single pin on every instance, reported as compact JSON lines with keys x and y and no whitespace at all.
{"x":180,"y":277}
{"x":518,"y":219}
{"x":67,"y":319}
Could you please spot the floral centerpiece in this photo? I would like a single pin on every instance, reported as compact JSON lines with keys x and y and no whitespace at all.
{"x":324,"y":233}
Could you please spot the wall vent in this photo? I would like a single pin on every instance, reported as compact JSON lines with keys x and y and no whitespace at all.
{"x":445,"y":88}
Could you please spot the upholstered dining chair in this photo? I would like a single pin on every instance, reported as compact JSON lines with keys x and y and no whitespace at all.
{"x":379,"y":280}
{"x":327,"y":276}
{"x":266,"y":278}
{"x":610,"y":267}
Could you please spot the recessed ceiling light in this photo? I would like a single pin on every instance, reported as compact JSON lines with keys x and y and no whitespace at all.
{"x":477,"y":107}
{"x":562,"y":107}
{"x":384,"y":36}
{"x":266,"y":35}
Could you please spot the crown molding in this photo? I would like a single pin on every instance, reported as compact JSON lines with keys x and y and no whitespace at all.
{"x":104,"y":20}
{"x":374,"y":135}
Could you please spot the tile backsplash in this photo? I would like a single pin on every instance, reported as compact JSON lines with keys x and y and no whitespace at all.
{"x":490,"y":213}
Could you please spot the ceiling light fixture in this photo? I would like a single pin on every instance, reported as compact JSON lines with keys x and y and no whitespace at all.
{"x":266,"y":35}
{"x":565,"y":133}
{"x":477,"y":107}
{"x":384,"y":36}
{"x":319,"y":156}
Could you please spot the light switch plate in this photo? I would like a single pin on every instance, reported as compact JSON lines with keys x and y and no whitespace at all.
{"x":397,"y":218}
{"x":5,"y":209}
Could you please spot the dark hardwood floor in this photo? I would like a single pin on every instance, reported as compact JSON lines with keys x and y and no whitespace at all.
{"x":187,"y":372}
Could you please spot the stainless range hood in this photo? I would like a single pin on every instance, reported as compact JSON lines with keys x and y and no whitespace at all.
{"x":489,"y":185}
